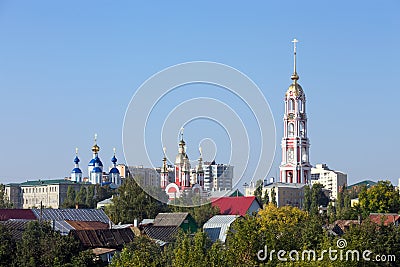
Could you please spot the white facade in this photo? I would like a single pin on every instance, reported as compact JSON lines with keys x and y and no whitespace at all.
{"x":48,"y":193}
{"x":286,"y":194}
{"x":332,"y":180}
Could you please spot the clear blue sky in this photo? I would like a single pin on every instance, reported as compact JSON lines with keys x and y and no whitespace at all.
{"x":68,"y":69}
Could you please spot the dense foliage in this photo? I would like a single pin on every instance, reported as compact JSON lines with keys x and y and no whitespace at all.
{"x":41,"y":246}
{"x":87,"y":197}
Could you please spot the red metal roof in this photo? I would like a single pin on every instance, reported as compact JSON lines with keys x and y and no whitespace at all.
{"x":16,"y":214}
{"x":234,"y":205}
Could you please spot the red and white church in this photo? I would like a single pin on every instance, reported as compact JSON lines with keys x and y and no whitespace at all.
{"x":295,"y":166}
{"x":185,"y":178}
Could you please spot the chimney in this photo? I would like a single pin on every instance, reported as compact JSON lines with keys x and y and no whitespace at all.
{"x":135,"y":223}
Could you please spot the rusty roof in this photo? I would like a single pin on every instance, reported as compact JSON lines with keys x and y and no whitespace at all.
{"x":107,"y":238}
{"x":82,"y":225}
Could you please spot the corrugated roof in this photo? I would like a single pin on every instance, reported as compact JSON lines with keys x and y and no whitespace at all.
{"x":21,"y":214}
{"x":108,"y":238}
{"x":87,"y":215}
{"x":217,"y":227}
{"x":81,"y":225}
{"x":163,"y":233}
{"x":233,"y":205}
{"x":16,"y":227}
{"x":170,"y":219}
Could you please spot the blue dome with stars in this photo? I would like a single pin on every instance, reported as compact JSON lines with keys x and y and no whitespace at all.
{"x":94,"y":161}
{"x":76,"y":160}
{"x":114,"y":159}
{"x":76,"y":170}
{"x":96,"y":170}
{"x":114,"y":170}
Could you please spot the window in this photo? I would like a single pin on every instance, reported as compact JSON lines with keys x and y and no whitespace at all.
{"x":302,"y":131}
{"x":291,"y":104}
{"x":291,"y":129}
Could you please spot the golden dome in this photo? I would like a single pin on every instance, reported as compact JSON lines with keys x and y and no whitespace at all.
{"x":295,"y":90}
{"x":95,"y":148}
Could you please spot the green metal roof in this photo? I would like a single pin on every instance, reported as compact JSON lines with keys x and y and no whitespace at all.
{"x":367,"y":183}
{"x":46,"y":182}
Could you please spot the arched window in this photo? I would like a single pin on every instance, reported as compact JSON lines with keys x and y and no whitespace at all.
{"x":301,"y":106}
{"x":302,"y":130}
{"x":291,"y":129}
{"x":291,"y":104}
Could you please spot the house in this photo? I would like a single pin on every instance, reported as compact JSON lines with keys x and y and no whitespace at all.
{"x":385,"y":218}
{"x":236,"y":205}
{"x":218,"y":226}
{"x":166,"y":225}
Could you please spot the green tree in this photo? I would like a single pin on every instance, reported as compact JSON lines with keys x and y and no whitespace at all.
{"x":41,"y":246}
{"x":142,"y":252}
{"x":318,"y":198}
{"x":273,"y":196}
{"x":81,"y":197}
{"x":7,"y":246}
{"x":307,"y":198}
{"x":4,"y":202}
{"x":69,"y":201}
{"x":90,"y":201}
{"x":258,"y":191}
{"x":383,"y":198}
{"x":132,"y":202}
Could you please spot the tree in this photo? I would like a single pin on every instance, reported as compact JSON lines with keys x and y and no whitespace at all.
{"x":382,"y":198}
{"x":132,"y":202}
{"x":4,"y":202}
{"x":273,"y":196}
{"x":81,"y":197}
{"x":318,"y":198}
{"x":90,"y":201}
{"x":258,"y":191}
{"x":307,"y":198}
{"x":69,"y":202}
{"x":41,"y":246}
{"x":141,"y":252}
{"x":7,"y":246}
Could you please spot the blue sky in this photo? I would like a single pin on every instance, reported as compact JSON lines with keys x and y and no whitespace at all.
{"x":68,"y":69}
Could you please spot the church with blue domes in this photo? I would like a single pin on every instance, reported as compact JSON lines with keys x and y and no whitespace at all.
{"x":96,"y":175}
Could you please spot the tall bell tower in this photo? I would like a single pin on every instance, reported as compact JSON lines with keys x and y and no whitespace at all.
{"x":295,"y":166}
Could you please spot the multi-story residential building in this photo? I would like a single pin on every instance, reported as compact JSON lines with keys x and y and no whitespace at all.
{"x":332,"y":180}
{"x":217,"y":176}
{"x":48,"y":193}
{"x":147,"y":177}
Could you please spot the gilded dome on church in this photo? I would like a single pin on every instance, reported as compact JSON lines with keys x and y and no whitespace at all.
{"x":295,"y":90}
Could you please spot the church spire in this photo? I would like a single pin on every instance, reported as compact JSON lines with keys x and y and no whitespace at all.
{"x":294,"y":77}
